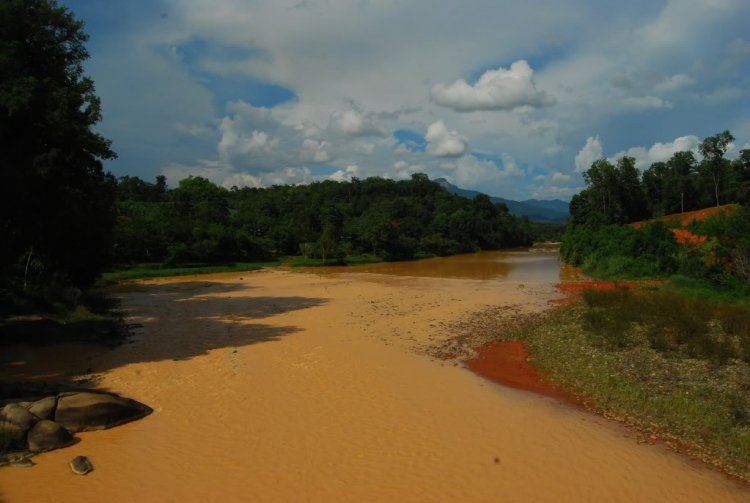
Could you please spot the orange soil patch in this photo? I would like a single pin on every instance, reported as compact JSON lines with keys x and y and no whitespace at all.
{"x":507,"y":363}
{"x":683,"y":236}
{"x":686,"y":218}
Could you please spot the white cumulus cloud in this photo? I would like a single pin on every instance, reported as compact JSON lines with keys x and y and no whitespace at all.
{"x":345,"y":175}
{"x":501,"y":89}
{"x":354,"y":123}
{"x":660,"y":152}
{"x":444,"y":143}
{"x":590,"y":152}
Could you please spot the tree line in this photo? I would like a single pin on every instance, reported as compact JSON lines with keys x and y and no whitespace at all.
{"x":598,"y":238}
{"x":199,"y":221}
{"x":619,"y":194}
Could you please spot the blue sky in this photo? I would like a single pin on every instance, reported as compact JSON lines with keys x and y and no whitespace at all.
{"x":509,"y":98}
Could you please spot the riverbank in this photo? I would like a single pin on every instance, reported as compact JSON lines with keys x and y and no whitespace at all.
{"x":150,"y":271}
{"x":674,"y":369}
{"x":295,"y":385}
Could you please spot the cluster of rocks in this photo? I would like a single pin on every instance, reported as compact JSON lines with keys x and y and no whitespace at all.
{"x":46,"y":423}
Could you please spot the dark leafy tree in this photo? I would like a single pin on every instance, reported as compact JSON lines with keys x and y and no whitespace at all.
{"x":714,"y":164}
{"x":56,"y":201}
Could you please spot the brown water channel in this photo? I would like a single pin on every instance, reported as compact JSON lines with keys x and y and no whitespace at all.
{"x":311,"y":386}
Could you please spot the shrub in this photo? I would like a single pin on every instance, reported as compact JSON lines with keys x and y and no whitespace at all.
{"x":666,"y":322}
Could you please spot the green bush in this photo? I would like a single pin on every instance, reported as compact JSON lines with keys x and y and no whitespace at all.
{"x":666,"y":322}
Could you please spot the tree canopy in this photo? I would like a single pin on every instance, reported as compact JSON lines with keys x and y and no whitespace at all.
{"x":56,"y":201}
{"x":199,"y":221}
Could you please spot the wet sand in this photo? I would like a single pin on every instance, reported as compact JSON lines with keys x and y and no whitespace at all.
{"x":314,"y":386}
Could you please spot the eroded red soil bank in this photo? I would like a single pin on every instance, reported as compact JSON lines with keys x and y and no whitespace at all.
{"x":507,"y":363}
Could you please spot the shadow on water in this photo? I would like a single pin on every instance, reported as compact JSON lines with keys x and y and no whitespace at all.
{"x":171,"y":321}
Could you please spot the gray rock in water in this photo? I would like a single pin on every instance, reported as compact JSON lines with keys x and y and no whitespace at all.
{"x":48,"y":436}
{"x":81,"y":465}
{"x":96,"y":411}
{"x":22,"y":463}
{"x":44,"y":408}
{"x":17,"y":416}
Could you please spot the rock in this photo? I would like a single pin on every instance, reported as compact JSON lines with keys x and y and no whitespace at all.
{"x":44,"y":408}
{"x":23,"y":463}
{"x":17,"y":416}
{"x":81,"y":465}
{"x":48,"y":436}
{"x":96,"y":411}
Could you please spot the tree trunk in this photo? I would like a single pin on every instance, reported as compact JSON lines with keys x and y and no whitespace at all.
{"x":26,"y":272}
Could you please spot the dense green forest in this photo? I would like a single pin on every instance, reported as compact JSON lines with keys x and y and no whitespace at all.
{"x":200,"y":222}
{"x":599,"y":239}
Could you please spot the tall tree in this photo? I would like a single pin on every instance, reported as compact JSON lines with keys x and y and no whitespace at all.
{"x":713,"y":149}
{"x":680,"y":183}
{"x":56,"y":201}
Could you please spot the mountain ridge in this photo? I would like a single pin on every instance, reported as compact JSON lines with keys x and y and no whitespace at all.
{"x":537,"y":210}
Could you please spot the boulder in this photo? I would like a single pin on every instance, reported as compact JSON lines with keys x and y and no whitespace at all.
{"x":17,"y":416}
{"x":48,"y":436}
{"x":44,"y":408}
{"x":96,"y":411}
{"x":81,"y":465}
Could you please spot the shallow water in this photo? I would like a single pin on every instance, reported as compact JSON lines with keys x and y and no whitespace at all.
{"x":308,"y":386}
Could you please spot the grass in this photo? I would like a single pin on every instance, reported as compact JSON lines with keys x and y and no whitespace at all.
{"x":316,"y":262}
{"x":698,"y":290}
{"x":675,"y":370}
{"x":147,"y":271}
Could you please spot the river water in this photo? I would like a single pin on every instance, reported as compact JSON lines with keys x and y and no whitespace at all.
{"x":312,"y":385}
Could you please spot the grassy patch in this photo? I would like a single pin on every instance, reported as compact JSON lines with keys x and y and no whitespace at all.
{"x":147,"y":271}
{"x":659,"y":362}
{"x":691,"y":288}
{"x":316,"y":262}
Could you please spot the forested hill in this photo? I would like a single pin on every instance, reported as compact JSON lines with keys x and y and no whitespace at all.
{"x":199,"y":221}
{"x":537,"y":211}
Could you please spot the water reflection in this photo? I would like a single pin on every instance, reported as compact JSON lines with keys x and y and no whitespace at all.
{"x":506,"y":265}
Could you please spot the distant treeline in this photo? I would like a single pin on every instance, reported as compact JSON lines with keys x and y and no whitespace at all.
{"x":199,"y":221}
{"x":598,"y":239}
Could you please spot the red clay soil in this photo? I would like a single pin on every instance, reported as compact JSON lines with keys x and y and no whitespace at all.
{"x":507,"y":363}
{"x":686,"y":218}
{"x":683,"y":236}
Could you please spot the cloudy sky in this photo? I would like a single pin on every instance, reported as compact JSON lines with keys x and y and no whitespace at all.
{"x":512,"y":98}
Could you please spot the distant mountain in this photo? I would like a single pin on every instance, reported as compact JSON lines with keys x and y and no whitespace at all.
{"x":537,"y":210}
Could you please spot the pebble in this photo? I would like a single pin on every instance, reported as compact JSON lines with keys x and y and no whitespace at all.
{"x":22,"y":463}
{"x":81,"y":465}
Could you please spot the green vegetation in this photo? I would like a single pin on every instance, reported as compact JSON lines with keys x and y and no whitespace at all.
{"x":383,"y":219}
{"x":599,"y":240}
{"x":673,"y":360}
{"x":676,"y":369}
{"x":57,"y":208}
{"x":146,"y":271}
{"x":545,"y":231}
{"x":315,"y":262}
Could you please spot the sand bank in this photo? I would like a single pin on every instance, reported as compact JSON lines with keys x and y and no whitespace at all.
{"x":299,"y":386}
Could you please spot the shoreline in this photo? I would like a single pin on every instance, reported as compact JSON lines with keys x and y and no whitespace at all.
{"x":508,"y":361}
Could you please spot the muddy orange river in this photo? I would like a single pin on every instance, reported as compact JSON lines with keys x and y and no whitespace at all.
{"x":313,"y":386}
